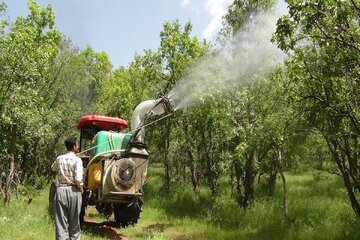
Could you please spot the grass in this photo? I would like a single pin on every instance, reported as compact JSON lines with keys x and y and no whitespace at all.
{"x":318,"y":209}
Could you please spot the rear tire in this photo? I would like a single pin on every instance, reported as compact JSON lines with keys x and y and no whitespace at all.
{"x":105,"y":209}
{"x":127,"y":214}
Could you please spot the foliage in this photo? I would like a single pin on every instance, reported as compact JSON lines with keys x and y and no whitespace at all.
{"x":46,"y":85}
{"x":239,"y":13}
{"x":321,"y":77}
{"x":257,"y":116}
{"x":29,"y":49}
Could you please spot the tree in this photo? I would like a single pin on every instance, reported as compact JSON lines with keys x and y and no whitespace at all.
{"x":74,"y":83}
{"x":322,"y":77}
{"x":98,"y":69}
{"x":47,"y":85}
{"x":249,"y":101}
{"x":29,"y":48}
{"x":178,"y":51}
{"x":116,"y":98}
{"x":239,"y":13}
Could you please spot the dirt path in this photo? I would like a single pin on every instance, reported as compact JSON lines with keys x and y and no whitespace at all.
{"x":104,"y":229}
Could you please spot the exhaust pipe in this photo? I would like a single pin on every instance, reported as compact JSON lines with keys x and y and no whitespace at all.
{"x":146,"y":109}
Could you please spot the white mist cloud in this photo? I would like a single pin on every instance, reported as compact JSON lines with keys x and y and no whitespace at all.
{"x":188,"y":4}
{"x":184,"y":3}
{"x":216,"y":9}
{"x":248,"y":56}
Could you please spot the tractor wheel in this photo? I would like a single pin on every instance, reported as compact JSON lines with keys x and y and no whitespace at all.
{"x":127,"y":214}
{"x":106,"y":209}
{"x":85,"y":199}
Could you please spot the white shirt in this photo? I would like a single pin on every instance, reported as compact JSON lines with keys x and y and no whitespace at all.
{"x":69,"y":169}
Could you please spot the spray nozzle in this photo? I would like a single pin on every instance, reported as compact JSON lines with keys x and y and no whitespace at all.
{"x":168,"y":103}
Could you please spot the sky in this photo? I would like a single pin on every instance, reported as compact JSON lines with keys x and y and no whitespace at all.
{"x":122,"y":28}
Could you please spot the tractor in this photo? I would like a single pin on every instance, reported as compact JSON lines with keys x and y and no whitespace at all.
{"x":115,"y":162}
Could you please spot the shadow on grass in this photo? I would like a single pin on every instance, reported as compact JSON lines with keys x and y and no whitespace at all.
{"x":102,"y":229}
{"x":315,"y":204}
{"x":152,"y":231}
{"x":181,"y":202}
{"x":158,"y":227}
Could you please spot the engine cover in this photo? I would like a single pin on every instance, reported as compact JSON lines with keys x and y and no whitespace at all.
{"x":123,"y":173}
{"x":123,"y":178}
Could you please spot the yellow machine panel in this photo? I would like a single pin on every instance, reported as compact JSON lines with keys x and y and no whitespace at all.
{"x":94,"y":175}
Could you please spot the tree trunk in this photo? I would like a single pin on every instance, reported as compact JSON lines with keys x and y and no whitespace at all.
{"x":166,"y":158}
{"x":183,"y":166}
{"x":210,"y":173}
{"x":192,"y":162}
{"x":9,"y":178}
{"x":249,"y":180}
{"x":350,"y":149}
{"x":167,"y":173}
{"x":272,"y":182}
{"x":193,"y":176}
{"x":239,"y":175}
{"x":279,"y":161}
{"x":11,"y":166}
{"x":335,"y":148}
{"x":1,"y":185}
{"x":350,"y":190}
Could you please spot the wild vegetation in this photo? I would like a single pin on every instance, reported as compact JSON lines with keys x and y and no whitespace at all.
{"x":239,"y":157}
{"x":318,"y":209}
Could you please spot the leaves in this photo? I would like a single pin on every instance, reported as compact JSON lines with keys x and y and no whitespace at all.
{"x":46,"y":86}
{"x":323,"y":75}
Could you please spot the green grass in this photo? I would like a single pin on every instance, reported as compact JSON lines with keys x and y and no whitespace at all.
{"x":318,"y":209}
{"x":20,"y":220}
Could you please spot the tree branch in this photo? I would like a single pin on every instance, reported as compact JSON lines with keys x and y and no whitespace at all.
{"x":335,"y":38}
{"x":328,"y":171}
{"x":356,"y":7}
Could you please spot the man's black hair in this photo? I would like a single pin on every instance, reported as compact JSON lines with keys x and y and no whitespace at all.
{"x":70,"y":142}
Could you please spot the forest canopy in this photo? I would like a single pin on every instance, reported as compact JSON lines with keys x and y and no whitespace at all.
{"x":250,"y":117}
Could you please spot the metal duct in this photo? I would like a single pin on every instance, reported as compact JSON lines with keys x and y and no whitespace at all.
{"x":148,"y":108}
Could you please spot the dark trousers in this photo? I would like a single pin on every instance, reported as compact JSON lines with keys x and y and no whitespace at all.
{"x":67,"y":207}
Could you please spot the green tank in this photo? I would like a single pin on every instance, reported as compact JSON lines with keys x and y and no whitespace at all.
{"x":105,"y":141}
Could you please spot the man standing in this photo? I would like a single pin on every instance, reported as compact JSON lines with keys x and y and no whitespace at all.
{"x":67,"y":199}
